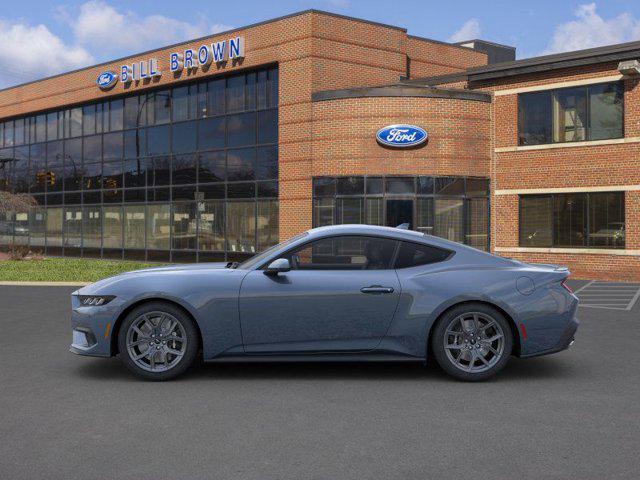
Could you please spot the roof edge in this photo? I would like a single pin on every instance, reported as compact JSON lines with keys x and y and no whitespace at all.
{"x":441,"y":42}
{"x":555,"y":61}
{"x":400,"y":90}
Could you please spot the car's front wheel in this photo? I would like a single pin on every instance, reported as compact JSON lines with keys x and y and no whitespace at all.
{"x":472,"y":342}
{"x":158,"y":341}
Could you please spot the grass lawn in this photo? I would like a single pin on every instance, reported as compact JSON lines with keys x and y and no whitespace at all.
{"x":65,"y":269}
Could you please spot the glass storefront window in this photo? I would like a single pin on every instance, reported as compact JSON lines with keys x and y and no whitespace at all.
{"x":54,"y":227}
{"x":102,"y":168}
{"x":241,"y":227}
{"x":184,"y":226}
{"x":21,"y":228}
{"x":374,"y":211}
{"x":211,"y":133}
{"x":449,"y":216}
{"x":211,"y":226}
{"x":323,"y":212}
{"x":112,"y":227}
{"x":134,"y":225}
{"x":456,"y":208}
{"x":424,"y":215}
{"x":73,"y":227}
{"x":477,"y":233}
{"x":158,"y":226}
{"x":92,"y":227}
{"x":349,"y":210}
{"x":37,"y":226}
{"x":267,"y":223}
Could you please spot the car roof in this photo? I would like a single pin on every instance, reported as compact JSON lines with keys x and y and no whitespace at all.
{"x":397,"y":233}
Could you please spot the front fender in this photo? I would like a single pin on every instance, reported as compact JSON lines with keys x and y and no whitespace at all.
{"x":210,"y":297}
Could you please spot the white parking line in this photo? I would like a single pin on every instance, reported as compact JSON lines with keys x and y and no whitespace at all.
{"x":613,"y":296}
{"x":575,"y":292}
{"x":633,"y":300}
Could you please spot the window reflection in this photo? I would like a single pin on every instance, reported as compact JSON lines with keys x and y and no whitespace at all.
{"x":241,"y":226}
{"x":158,"y":226}
{"x":134,"y":225}
{"x":211,"y":226}
{"x":100,"y":167}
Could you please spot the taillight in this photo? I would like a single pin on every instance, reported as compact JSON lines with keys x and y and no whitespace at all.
{"x":566,"y":287}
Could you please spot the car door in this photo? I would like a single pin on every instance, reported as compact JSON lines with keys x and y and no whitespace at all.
{"x":339,"y":296}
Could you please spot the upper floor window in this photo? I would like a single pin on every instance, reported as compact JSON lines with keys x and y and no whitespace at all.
{"x":577,"y":114}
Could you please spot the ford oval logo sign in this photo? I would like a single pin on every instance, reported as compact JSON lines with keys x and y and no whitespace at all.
{"x":401,"y":136}
{"x":106,"y":80}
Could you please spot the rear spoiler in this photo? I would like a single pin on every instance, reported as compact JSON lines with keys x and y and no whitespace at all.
{"x":556,"y":268}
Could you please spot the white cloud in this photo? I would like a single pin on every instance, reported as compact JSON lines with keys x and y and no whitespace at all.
{"x":29,"y":52}
{"x":107,"y":31}
{"x":591,"y":30}
{"x":469,"y":31}
{"x":99,"y":32}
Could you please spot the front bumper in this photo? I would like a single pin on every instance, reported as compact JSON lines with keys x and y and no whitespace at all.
{"x":565,"y":341}
{"x":92,"y":328}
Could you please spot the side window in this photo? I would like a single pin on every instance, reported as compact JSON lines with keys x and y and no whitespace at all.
{"x":344,"y":253}
{"x":415,"y":254}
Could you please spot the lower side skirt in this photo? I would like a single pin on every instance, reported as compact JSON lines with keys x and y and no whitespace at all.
{"x":316,"y":357}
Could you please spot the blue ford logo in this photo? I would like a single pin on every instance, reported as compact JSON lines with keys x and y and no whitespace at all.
{"x":401,"y":136}
{"x":106,"y":80}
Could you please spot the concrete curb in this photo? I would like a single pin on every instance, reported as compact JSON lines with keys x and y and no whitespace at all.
{"x":45,"y":284}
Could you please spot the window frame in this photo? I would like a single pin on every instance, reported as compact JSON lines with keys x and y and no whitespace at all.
{"x":587,"y":221}
{"x":450,"y":254}
{"x":552,"y":92}
{"x":310,"y":241}
{"x":392,"y":263}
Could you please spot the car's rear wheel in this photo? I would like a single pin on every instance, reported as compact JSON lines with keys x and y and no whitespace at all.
{"x":158,"y":341}
{"x":472,"y":342}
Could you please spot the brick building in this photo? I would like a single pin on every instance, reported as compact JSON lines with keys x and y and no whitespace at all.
{"x":217,"y":148}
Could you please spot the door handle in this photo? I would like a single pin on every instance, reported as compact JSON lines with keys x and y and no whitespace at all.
{"x":376,"y":289}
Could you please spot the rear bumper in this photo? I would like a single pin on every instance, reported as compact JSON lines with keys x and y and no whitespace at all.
{"x":565,"y":341}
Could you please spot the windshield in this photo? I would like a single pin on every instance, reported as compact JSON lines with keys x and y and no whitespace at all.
{"x":256,"y":259}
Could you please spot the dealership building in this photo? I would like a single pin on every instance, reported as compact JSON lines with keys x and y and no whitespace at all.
{"x":215,"y":149}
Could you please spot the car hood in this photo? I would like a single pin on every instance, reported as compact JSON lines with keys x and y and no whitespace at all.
{"x":170,"y":270}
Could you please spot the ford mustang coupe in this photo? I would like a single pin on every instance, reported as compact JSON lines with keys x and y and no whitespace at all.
{"x":341,"y":293}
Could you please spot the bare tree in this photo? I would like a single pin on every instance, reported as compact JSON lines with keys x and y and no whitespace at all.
{"x":16,"y":202}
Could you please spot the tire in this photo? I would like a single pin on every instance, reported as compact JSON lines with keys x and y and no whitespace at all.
{"x":472,"y":354}
{"x":158,"y":341}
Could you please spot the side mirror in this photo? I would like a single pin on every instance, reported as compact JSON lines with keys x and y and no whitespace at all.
{"x":280,"y":265}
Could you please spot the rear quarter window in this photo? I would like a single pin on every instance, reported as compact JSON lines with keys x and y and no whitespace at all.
{"x":416,"y":254}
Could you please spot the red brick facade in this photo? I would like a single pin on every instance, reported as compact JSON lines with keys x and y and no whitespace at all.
{"x":579,"y":168}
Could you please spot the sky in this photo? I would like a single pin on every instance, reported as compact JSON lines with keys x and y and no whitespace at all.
{"x":39,"y":38}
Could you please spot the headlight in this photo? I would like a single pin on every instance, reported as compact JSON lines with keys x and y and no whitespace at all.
{"x":94,"y":300}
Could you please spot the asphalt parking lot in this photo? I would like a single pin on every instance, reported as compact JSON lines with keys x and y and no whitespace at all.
{"x":571,"y":415}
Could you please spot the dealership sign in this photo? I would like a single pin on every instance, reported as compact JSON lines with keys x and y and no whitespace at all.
{"x":401,"y":136}
{"x":189,"y":59}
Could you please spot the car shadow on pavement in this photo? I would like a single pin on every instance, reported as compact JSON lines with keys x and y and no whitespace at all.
{"x":516,"y":370}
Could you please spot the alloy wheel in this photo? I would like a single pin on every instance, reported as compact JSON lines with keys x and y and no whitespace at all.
{"x":156,"y":341}
{"x":474,"y":342}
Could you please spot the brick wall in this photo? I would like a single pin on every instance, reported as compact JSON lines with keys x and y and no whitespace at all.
{"x":429,"y":58}
{"x":565,"y":167}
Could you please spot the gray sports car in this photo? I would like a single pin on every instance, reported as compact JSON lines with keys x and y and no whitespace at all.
{"x":349,"y":292}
